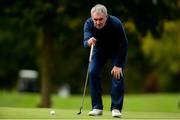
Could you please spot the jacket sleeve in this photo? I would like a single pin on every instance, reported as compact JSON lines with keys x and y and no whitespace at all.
{"x":87,"y":34}
{"x":121,"y":55}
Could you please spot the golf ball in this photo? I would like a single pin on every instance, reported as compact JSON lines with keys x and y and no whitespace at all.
{"x":52,"y":112}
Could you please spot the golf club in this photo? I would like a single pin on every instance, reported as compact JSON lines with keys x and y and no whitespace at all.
{"x":82,"y":103}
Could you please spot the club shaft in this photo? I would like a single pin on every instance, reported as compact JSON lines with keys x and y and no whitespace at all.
{"x":85,"y":86}
{"x":87,"y":75}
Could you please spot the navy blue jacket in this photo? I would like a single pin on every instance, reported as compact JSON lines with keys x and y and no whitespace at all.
{"x":111,"y":39}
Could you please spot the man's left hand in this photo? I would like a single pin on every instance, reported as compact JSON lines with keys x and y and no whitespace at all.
{"x":116,"y":72}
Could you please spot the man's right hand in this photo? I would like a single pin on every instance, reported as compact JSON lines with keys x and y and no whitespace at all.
{"x":91,"y":41}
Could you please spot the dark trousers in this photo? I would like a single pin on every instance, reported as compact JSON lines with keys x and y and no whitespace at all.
{"x":117,"y":86}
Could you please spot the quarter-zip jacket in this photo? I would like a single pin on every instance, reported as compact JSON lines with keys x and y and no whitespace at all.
{"x":111,"y":39}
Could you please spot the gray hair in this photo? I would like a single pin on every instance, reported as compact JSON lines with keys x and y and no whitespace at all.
{"x":99,"y":8}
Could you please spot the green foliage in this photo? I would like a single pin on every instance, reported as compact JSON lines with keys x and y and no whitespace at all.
{"x":20,"y":39}
{"x":164,"y":54}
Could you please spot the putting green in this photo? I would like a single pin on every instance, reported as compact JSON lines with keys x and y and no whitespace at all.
{"x":43,"y":113}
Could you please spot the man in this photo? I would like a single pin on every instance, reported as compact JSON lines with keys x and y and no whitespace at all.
{"x":107,"y":35}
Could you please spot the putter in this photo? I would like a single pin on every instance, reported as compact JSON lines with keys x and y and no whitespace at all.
{"x":85,"y":85}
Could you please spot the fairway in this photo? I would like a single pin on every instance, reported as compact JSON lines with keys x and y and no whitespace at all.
{"x":15,"y":105}
{"x":41,"y":113}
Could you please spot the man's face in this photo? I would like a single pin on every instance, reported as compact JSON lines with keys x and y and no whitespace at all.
{"x":99,"y":19}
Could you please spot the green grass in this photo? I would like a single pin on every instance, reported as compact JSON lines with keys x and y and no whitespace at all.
{"x":42,"y":113}
{"x":15,"y":105}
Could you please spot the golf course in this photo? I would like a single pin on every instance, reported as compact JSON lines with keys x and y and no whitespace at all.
{"x":90,"y":59}
{"x":22,"y":106}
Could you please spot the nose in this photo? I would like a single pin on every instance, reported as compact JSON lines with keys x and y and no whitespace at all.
{"x":98,"y":22}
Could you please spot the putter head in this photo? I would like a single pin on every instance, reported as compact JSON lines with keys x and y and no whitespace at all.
{"x":79,"y":111}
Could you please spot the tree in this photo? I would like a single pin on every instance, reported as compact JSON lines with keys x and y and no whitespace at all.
{"x":163,"y":54}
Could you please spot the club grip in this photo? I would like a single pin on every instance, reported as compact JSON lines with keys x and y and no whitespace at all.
{"x":90,"y":56}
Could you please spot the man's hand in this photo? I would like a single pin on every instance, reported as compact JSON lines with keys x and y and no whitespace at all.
{"x":116,"y":72}
{"x":91,"y":41}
